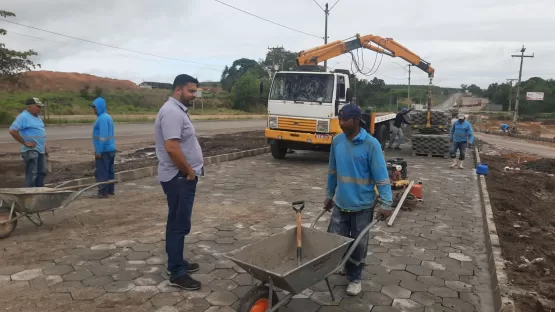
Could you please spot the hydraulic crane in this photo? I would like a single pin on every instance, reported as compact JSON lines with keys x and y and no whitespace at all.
{"x":386,"y":46}
{"x":303,"y":104}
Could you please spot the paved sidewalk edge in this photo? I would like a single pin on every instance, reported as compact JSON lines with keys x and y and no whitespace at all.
{"x":145,"y":172}
{"x":499,"y":281}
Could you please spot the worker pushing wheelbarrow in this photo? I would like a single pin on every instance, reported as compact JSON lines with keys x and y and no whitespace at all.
{"x":17,"y":203}
{"x":293,"y":260}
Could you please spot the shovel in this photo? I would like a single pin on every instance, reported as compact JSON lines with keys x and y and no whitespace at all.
{"x":298,"y":206}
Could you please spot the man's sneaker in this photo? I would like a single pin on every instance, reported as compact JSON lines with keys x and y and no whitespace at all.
{"x":191,"y":268}
{"x":185,"y":282}
{"x":354,"y":288}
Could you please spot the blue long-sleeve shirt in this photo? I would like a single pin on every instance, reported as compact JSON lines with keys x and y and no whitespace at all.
{"x":355,"y":168}
{"x":462,"y":132}
{"x":103,"y":130}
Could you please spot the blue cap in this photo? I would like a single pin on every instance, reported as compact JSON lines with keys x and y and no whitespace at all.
{"x":350,"y":111}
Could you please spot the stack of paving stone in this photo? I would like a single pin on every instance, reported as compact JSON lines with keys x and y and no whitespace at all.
{"x":433,"y":141}
{"x":430,"y":144}
{"x":438,"y":118}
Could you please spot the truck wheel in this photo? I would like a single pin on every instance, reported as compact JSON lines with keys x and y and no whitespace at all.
{"x":278,"y":152}
{"x":380,"y":135}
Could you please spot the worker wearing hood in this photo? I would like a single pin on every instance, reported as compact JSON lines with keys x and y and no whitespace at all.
{"x":104,"y":147}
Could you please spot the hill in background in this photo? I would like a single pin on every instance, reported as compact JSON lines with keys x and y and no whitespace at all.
{"x":49,"y":81}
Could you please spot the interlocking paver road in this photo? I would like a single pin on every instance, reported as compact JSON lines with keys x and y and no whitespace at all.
{"x":108,"y":255}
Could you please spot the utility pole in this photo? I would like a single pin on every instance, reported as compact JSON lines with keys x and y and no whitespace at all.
{"x":408,"y":95}
{"x":522,"y":56}
{"x":327,"y":13}
{"x":511,"y":92}
{"x":273,"y":69}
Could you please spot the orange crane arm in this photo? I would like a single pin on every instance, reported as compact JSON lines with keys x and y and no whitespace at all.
{"x":386,"y":46}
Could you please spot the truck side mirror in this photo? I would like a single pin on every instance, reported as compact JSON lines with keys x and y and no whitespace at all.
{"x":349,"y":95}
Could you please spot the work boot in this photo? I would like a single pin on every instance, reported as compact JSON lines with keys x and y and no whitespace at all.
{"x":397,"y":148}
{"x":185,"y":282}
{"x":354,"y":288}
{"x":389,"y":147}
{"x":461,"y":164}
{"x":454,"y":164}
{"x":191,"y":268}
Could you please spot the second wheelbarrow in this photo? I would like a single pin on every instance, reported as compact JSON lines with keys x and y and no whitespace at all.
{"x":273,"y":261}
{"x":30,"y":202}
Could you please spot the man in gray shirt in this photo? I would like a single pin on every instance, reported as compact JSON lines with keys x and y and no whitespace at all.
{"x":180,"y":162}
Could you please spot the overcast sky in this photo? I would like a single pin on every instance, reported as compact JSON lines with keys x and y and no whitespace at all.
{"x":466,"y":42}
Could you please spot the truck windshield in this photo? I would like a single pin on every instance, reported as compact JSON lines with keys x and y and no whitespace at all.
{"x":302,"y":87}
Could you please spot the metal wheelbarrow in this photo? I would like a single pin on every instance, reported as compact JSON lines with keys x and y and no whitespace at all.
{"x":30,"y":202}
{"x":273,"y":261}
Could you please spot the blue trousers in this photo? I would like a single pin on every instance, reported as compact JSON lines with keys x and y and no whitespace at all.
{"x":351,"y":224}
{"x":461,"y":146}
{"x":180,"y":194}
{"x":35,"y":168}
{"x":105,"y":172}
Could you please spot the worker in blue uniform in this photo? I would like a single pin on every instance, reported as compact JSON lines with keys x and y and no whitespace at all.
{"x":462,"y":137}
{"x":356,"y":168}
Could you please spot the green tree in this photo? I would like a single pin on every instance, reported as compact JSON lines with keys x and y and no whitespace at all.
{"x":286,"y":60}
{"x":232,"y":74}
{"x":245,"y":93}
{"x":14,"y":62}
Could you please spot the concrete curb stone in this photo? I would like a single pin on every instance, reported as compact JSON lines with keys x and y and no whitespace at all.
{"x":499,"y":280}
{"x":146,"y":172}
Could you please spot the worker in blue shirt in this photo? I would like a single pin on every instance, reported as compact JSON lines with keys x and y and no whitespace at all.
{"x":505,"y":128}
{"x":462,"y":137}
{"x":104,"y":147}
{"x":28,"y":129}
{"x":356,"y":167}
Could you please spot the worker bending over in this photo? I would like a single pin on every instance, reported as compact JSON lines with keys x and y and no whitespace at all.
{"x":505,"y":128}
{"x":461,"y":137}
{"x":356,"y":166}
{"x":396,"y":130}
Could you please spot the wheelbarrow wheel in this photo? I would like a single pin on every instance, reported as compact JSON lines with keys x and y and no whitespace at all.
{"x":256,"y":300}
{"x":7,"y":228}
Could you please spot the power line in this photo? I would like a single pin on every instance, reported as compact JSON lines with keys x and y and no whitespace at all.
{"x":115,"y":54}
{"x":334,"y":4}
{"x":318,"y":4}
{"x":267,"y":20}
{"x":107,"y":45}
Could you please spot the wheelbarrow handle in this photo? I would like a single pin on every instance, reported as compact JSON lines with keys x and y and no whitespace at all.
{"x":75,"y":195}
{"x":318,"y":217}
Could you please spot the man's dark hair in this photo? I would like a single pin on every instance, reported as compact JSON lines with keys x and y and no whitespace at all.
{"x":181,"y":80}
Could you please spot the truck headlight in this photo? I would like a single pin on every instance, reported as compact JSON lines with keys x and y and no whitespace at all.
{"x":323,"y":126}
{"x":272,"y":122}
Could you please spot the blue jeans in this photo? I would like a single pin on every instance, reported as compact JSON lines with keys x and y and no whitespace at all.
{"x":180,"y":194}
{"x":35,"y":168}
{"x":105,"y":172}
{"x":351,"y":224}
{"x":461,"y":146}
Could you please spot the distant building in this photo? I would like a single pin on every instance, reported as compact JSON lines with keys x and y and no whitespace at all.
{"x":155,"y":85}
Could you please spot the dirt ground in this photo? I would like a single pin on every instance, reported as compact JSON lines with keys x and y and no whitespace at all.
{"x":72,"y":162}
{"x":523,"y":204}
{"x":539,"y":128}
